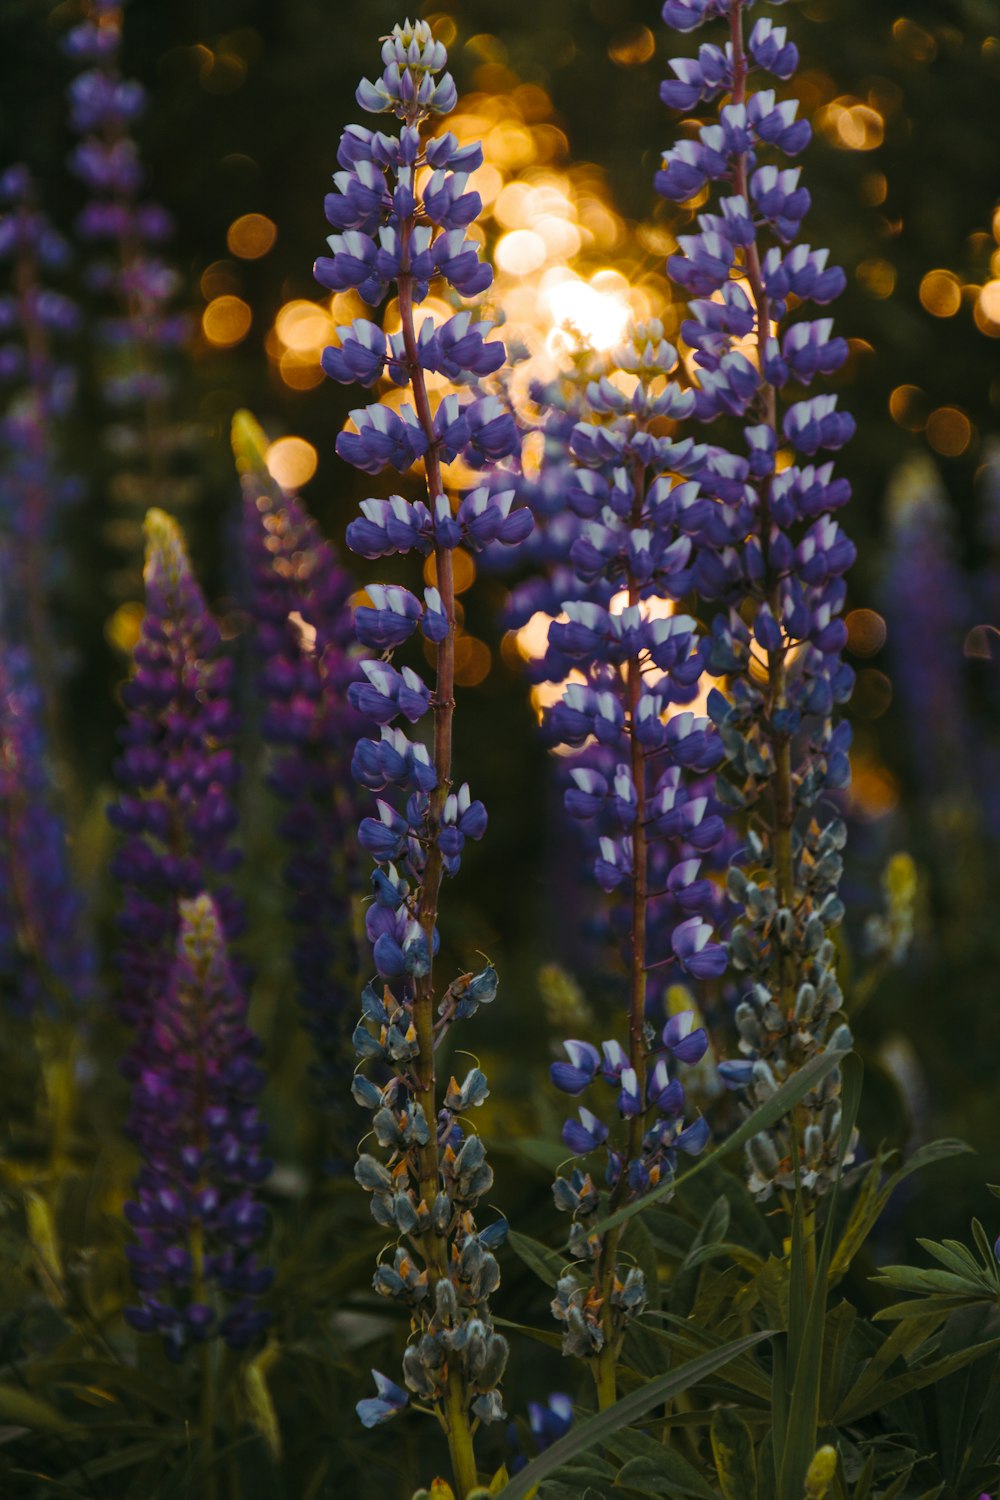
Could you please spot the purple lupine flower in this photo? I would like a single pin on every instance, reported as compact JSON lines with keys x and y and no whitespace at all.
{"x":38,"y":390}
{"x":928,"y":611}
{"x":137,"y":334}
{"x":304,"y":641}
{"x":176,"y":772}
{"x":194,"y":1117}
{"x":640,"y":783}
{"x":47,"y":960}
{"x":770,"y":555}
{"x":386,"y":233}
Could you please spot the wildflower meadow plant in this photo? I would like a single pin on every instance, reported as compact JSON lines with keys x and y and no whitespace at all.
{"x":687,"y":1305}
{"x":391,"y":229}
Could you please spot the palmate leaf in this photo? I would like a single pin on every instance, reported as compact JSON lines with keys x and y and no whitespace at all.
{"x":902,"y":1343}
{"x":784,"y":1099}
{"x":875,"y":1195}
{"x":654,"y":1469}
{"x":914,"y":1380}
{"x":586,"y":1435}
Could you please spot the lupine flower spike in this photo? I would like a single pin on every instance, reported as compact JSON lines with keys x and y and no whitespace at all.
{"x":125,"y":232}
{"x":176,"y":774}
{"x":641,"y":784}
{"x":398,"y":224}
{"x":772,"y":557}
{"x":35,"y":319}
{"x":304,"y":641}
{"x":47,"y":963}
{"x":195,"y":1120}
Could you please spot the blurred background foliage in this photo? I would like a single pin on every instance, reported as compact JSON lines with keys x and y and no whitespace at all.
{"x":248,"y":101}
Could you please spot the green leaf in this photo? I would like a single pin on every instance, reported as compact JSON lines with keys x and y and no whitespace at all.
{"x":586,"y":1435}
{"x":781,"y":1101}
{"x":638,"y":1242}
{"x":546,"y":1336}
{"x":687,"y":1337}
{"x":19,"y":1408}
{"x":986,"y":1250}
{"x":712,"y":1229}
{"x":919,"y":1307}
{"x":840,"y":1323}
{"x":914,"y":1380}
{"x":864,"y":1484}
{"x":874,"y":1197}
{"x":954,"y":1256}
{"x":547,"y":1264}
{"x":903,"y":1342}
{"x":667,"y":1474}
{"x":733,"y":1451}
{"x":924,"y":1279}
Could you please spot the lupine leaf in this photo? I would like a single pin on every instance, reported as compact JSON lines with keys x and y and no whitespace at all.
{"x":733,"y":1451}
{"x":840,"y":1324}
{"x":918,"y":1307}
{"x":864,"y":1484}
{"x":763,"y":1118}
{"x":586,"y":1435}
{"x":547,"y":1264}
{"x":744,"y":1374}
{"x":904,"y":1340}
{"x":667,"y":1474}
{"x":913,"y":1380}
{"x":874,"y":1197}
{"x":19,"y":1408}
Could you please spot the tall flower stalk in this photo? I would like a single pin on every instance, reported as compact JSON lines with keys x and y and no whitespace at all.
{"x":133,"y":284}
{"x":303,"y":637}
{"x":34,"y":319}
{"x":399,"y":209}
{"x":641,"y":782}
{"x":47,"y":962}
{"x":177,"y":772}
{"x":773,"y":562}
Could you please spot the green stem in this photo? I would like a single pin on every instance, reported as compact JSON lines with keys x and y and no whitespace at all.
{"x":607,"y":1360}
{"x":455,"y":1418}
{"x":206,"y":1395}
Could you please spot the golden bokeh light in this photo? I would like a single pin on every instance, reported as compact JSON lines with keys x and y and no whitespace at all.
{"x":877,"y":277}
{"x":463,"y":569}
{"x":872,"y":694}
{"x":851,"y":124}
{"x":220,"y":277}
{"x":908,"y":407}
{"x":251,"y":236}
{"x":291,"y":462}
{"x":913,"y":41}
{"x":304,"y":326}
{"x":632,"y":46}
{"x":473,"y":660}
{"x":300,"y":372}
{"x":122,"y":628}
{"x":987,"y":309}
{"x":226,"y":321}
{"x":941,"y":293}
{"x":982,"y":643}
{"x":593,"y":313}
{"x":520,"y":252}
{"x":866,"y":632}
{"x":874,"y":188}
{"x":874,"y":791}
{"x":949,"y":431}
